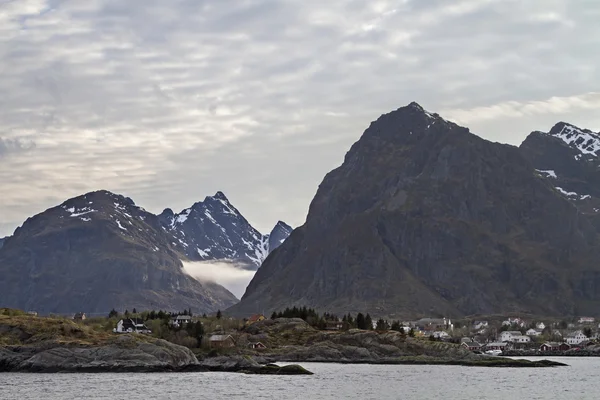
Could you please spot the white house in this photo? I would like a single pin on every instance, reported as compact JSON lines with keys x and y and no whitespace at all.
{"x":180,"y":320}
{"x":477,"y":325}
{"x":131,"y":325}
{"x":513,"y":321}
{"x":507,"y":336}
{"x":586,"y":320}
{"x":533,"y":332}
{"x":541,"y":326}
{"x":576,"y":338}
{"x":521,"y":339}
{"x":440,"y":335}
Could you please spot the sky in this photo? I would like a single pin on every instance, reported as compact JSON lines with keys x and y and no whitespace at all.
{"x":171,"y":101}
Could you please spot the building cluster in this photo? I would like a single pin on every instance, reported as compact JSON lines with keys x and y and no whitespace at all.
{"x":515,"y":333}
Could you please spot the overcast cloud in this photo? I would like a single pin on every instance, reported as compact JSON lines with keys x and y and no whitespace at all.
{"x":167,"y":101}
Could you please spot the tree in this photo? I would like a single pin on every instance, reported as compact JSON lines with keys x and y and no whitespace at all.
{"x":382,"y":325}
{"x":411,"y":333}
{"x":431,"y":338}
{"x":219,"y":315}
{"x":587,"y":332}
{"x":113,"y":313}
{"x":360,"y":321}
{"x":563,"y":325}
{"x":369,"y":322}
{"x":322,"y":324}
{"x":396,"y":326}
{"x":274,"y":315}
{"x":127,"y":313}
{"x":134,"y":310}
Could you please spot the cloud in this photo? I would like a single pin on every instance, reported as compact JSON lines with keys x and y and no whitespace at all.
{"x":228,"y":274}
{"x":167,"y":102}
{"x":14,"y":146}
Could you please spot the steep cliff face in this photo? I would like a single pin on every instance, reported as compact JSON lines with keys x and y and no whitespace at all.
{"x":424,"y":217}
{"x":96,"y":252}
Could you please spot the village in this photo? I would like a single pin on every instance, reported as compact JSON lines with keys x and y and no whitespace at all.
{"x":493,"y":337}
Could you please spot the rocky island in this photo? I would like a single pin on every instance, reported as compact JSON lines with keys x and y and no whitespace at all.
{"x":32,"y":344}
{"x":36,"y":344}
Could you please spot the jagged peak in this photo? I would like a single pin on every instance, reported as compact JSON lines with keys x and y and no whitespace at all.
{"x":584,"y":140}
{"x":220,"y":196}
{"x":416,"y":105}
{"x":167,"y":212}
{"x":281,"y":224}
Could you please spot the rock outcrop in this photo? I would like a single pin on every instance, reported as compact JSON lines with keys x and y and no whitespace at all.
{"x":126,"y":354}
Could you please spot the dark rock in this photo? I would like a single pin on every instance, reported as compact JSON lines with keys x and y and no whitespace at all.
{"x":425,"y":218}
{"x":126,"y":355}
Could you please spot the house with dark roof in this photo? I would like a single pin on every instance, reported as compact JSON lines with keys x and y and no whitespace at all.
{"x":554,"y":346}
{"x":257,"y":346}
{"x":131,"y":325}
{"x":79,"y":316}
{"x":180,"y":320}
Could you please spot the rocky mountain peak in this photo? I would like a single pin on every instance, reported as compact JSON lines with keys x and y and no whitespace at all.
{"x":278,"y":235}
{"x":214,"y":229}
{"x":583,"y":140}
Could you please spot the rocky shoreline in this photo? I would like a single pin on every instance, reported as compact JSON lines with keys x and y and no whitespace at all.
{"x":592,"y":351}
{"x":61,"y":346}
{"x":128,"y":355}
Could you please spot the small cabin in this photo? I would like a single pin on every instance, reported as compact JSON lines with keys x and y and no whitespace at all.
{"x":221,"y":342}
{"x":79,"y":316}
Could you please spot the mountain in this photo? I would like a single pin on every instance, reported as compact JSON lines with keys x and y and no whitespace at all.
{"x":278,"y":235}
{"x":425,"y":218}
{"x":2,"y":242}
{"x":215,"y":230}
{"x":568,"y":157}
{"x":96,"y":252}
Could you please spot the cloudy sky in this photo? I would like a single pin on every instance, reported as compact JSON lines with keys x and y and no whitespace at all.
{"x":167,"y":101}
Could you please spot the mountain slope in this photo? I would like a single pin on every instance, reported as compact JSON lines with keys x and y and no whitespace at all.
{"x":424,"y":217}
{"x":96,"y":252}
{"x":568,"y":157}
{"x":215,"y":230}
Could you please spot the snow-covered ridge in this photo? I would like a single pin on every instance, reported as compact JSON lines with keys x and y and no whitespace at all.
{"x":214,"y":229}
{"x":587,"y":142}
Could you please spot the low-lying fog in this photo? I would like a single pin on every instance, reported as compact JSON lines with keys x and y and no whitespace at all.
{"x":225,"y":273}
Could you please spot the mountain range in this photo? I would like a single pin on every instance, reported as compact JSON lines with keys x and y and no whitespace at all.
{"x":100,"y":250}
{"x":425,"y":218}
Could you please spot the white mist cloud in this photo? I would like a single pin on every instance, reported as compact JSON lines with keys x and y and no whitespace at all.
{"x":225,"y":273}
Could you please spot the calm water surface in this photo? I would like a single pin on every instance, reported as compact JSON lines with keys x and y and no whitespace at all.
{"x":581,"y":380}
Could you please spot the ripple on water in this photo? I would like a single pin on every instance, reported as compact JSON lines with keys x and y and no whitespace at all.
{"x":331,"y":381}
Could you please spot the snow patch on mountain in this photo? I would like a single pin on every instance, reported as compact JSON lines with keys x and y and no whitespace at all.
{"x":586,"y":141}
{"x":548,"y":173}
